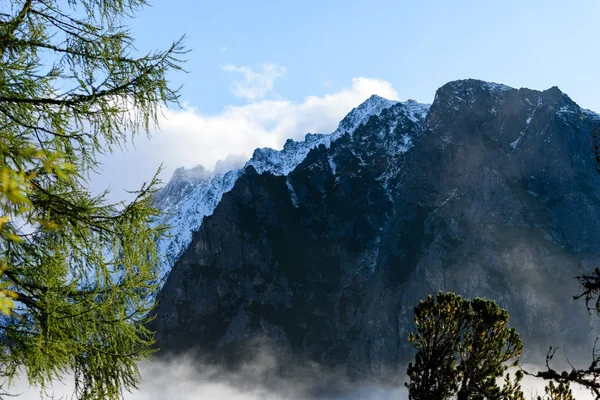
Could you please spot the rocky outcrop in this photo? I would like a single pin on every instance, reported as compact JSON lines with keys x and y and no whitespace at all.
{"x":490,"y":192}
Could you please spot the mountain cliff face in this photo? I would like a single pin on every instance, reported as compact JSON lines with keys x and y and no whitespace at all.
{"x":326,"y":246}
{"x":193,"y":194}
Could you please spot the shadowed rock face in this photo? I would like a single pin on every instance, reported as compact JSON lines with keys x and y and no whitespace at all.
{"x":494,"y":194}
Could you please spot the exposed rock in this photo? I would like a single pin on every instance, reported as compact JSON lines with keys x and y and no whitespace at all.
{"x":493,"y":192}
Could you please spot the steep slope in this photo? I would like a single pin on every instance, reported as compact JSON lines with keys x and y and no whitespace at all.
{"x":193,"y":194}
{"x":492,"y":192}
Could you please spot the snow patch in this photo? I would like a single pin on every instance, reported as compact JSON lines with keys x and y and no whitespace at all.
{"x":332,"y":165}
{"x":292,"y":192}
{"x":497,"y":87}
{"x":516,"y":142}
{"x":536,"y":106}
{"x":566,"y":110}
{"x":446,"y":139}
{"x":590,"y":114}
{"x":406,"y":143}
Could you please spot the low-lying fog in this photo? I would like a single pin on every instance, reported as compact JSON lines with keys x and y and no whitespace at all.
{"x":180,"y":379}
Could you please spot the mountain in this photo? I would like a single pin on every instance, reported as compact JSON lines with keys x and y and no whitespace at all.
{"x":193,"y":194}
{"x":326,"y":246}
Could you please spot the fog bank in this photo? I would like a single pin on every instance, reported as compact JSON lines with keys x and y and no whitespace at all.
{"x":183,"y":379}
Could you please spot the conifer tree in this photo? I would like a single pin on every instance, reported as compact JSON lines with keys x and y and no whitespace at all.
{"x":557,"y":392}
{"x":77,"y":273}
{"x":463,"y":346}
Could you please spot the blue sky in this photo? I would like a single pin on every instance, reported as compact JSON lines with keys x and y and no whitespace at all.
{"x":415,"y":45}
{"x":262,"y":71}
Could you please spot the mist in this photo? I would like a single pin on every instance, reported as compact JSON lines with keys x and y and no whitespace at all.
{"x":266,"y":375}
{"x":183,"y":378}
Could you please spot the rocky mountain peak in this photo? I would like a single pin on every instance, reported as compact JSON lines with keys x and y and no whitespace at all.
{"x":191,"y":195}
{"x":327,"y":245}
{"x":197,"y":173}
{"x":473,"y":91}
{"x":374,"y":105}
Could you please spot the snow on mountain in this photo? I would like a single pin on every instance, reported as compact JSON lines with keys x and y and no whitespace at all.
{"x":397,"y":209}
{"x":590,"y":113}
{"x":193,"y":194}
{"x":564,"y":112}
{"x":282,"y":162}
{"x":361,"y":114}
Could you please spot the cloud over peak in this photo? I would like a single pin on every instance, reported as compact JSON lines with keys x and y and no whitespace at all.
{"x":225,"y":140}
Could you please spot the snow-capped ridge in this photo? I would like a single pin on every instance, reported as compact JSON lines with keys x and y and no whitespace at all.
{"x":191,"y":174}
{"x":590,"y":114}
{"x":282,"y":162}
{"x":374,"y":105}
{"x":193,"y":194}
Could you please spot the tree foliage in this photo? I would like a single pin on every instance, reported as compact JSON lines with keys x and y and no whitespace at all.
{"x":557,"y":392}
{"x":463,"y":346}
{"x":77,"y":273}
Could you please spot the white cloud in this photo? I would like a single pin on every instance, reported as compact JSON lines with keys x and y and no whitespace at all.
{"x":256,"y":84}
{"x":188,"y":137}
